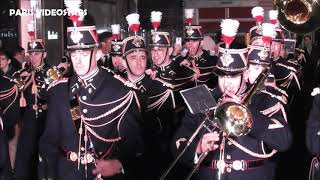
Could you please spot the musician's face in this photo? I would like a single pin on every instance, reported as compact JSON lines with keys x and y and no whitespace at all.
{"x":136,"y":63}
{"x":36,"y":58}
{"x":194,"y":46}
{"x":254,"y":71}
{"x":259,"y":42}
{"x":82,"y":61}
{"x":276,"y":48}
{"x":117,"y":62}
{"x":160,"y":55}
{"x":229,"y":84}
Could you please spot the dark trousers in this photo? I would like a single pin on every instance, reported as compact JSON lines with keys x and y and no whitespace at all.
{"x":28,"y":144}
{"x":5,"y":166}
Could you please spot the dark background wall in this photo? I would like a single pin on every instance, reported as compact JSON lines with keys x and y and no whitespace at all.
{"x":8,"y":25}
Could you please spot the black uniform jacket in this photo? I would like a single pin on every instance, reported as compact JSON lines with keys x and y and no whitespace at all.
{"x":206,"y":64}
{"x":266,"y":134}
{"x":114,"y":134}
{"x":313,"y":127}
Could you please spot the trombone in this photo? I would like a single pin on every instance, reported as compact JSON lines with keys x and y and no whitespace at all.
{"x":233,"y":119}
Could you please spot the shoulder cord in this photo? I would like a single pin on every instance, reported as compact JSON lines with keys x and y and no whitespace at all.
{"x":251,"y":153}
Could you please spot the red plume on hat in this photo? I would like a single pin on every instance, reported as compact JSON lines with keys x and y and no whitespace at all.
{"x":133,"y":22}
{"x":156,"y":17}
{"x":189,"y":13}
{"x":31,"y":30}
{"x":273,"y":16}
{"x":74,"y":11}
{"x":115,"y":28}
{"x":258,"y":13}
{"x":268,"y":32}
{"x":229,"y":29}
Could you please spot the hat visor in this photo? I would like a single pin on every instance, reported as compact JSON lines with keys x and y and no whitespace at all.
{"x":193,"y":38}
{"x":261,"y":63}
{"x":134,"y":50}
{"x":116,"y":53}
{"x":220,"y":72}
{"x":81,"y":47}
{"x":36,"y":50}
{"x":159,"y":45}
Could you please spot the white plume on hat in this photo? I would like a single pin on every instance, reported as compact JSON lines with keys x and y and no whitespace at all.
{"x":269,"y":30}
{"x":273,"y":14}
{"x":115,"y":28}
{"x":133,"y":19}
{"x":257,"y":11}
{"x":229,"y":27}
{"x":156,"y":16}
{"x":73,"y":6}
{"x":189,"y":13}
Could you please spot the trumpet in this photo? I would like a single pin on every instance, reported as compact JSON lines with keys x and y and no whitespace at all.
{"x":53,"y":74}
{"x":18,"y":81}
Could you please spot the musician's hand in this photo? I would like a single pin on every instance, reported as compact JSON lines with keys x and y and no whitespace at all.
{"x":176,"y":49}
{"x":185,"y":63}
{"x":107,"y":168}
{"x":151,"y":73}
{"x":196,"y":75}
{"x":208,"y":142}
{"x":64,"y":65}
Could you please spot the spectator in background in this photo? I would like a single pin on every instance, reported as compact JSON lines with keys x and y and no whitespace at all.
{"x":309,"y":68}
{"x":105,"y":40}
{"x":6,"y":68}
{"x":18,"y":57}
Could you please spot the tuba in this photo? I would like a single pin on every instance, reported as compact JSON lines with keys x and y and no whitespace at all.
{"x":298,"y":16}
{"x":235,"y":118}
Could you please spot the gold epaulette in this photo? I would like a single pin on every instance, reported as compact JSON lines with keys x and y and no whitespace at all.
{"x":54,"y":83}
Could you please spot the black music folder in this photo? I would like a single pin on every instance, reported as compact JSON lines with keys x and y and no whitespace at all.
{"x":198,"y":99}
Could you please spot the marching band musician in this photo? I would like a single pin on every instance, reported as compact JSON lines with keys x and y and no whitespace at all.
{"x":257,"y":50}
{"x":7,"y":71}
{"x":170,"y":69}
{"x":245,"y":157}
{"x":108,"y":141}
{"x":34,"y":99}
{"x":258,"y":61}
{"x":313,"y":134}
{"x":9,"y":98}
{"x":116,"y":52}
{"x":157,"y":104}
{"x":5,"y":168}
{"x":286,"y":72}
{"x":9,"y":115}
{"x":313,"y":124}
{"x":33,"y":120}
{"x":200,"y":60}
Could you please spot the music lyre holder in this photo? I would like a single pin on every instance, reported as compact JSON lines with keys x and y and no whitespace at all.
{"x":199,"y":101}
